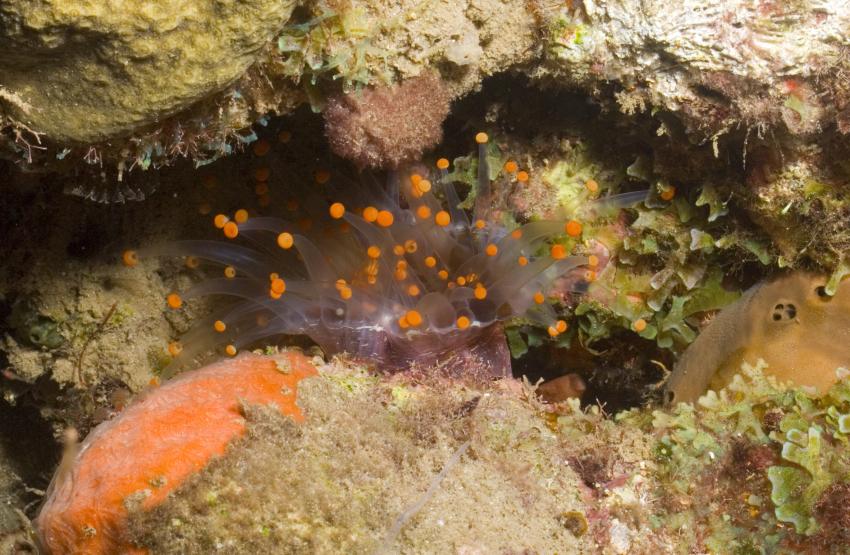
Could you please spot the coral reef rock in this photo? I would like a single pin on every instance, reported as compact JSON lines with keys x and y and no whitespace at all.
{"x":719,"y":65}
{"x":86,"y":71}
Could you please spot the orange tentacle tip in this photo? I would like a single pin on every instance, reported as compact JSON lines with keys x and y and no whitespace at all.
{"x":175,"y":348}
{"x":370,"y":214}
{"x":231,"y":230}
{"x":420,"y":186}
{"x":384,"y":218}
{"x":169,"y":434}
{"x":668,"y":193}
{"x":443,"y":164}
{"x":322,"y":176}
{"x":573,"y":228}
{"x":522,"y":176}
{"x":261,"y":189}
{"x":481,"y":138}
{"x":285,"y":240}
{"x":219,"y":220}
{"x":130,"y":258}
{"x":278,"y":286}
{"x":639,"y":325}
{"x":174,"y":300}
{"x":337,"y":210}
{"x":463,"y":322}
{"x":241,"y":216}
{"x":442,"y":218}
{"x":413,"y":317}
{"x":262,"y":147}
{"x":262,"y":174}
{"x":209,"y":181}
{"x":558,"y":252}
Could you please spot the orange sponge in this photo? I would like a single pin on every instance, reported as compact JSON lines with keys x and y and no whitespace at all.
{"x":155,"y":444}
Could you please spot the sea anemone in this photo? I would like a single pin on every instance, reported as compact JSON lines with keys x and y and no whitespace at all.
{"x":389,"y":274}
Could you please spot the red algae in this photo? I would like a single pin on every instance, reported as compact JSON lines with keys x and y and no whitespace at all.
{"x":147,"y":451}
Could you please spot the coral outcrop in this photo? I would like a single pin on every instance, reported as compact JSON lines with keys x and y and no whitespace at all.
{"x":84,"y":72}
{"x":711,"y":68}
{"x":717,"y":65}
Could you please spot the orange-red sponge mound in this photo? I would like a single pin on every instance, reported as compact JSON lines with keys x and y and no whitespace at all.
{"x":155,"y":444}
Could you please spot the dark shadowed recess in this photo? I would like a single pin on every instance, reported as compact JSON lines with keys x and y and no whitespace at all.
{"x":31,"y":453}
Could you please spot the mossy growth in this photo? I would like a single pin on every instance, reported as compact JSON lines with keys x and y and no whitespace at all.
{"x":671,"y":261}
{"x":326,"y":41}
{"x":800,"y":200}
{"x":409,"y":466}
{"x":762,"y":455}
{"x":814,"y":436}
{"x":380,"y":466}
{"x":668,"y":255}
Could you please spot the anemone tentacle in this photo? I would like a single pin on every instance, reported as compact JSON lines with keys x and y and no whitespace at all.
{"x":382,"y":272}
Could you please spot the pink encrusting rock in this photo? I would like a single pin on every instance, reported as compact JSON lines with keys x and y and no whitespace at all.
{"x":384,"y":127}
